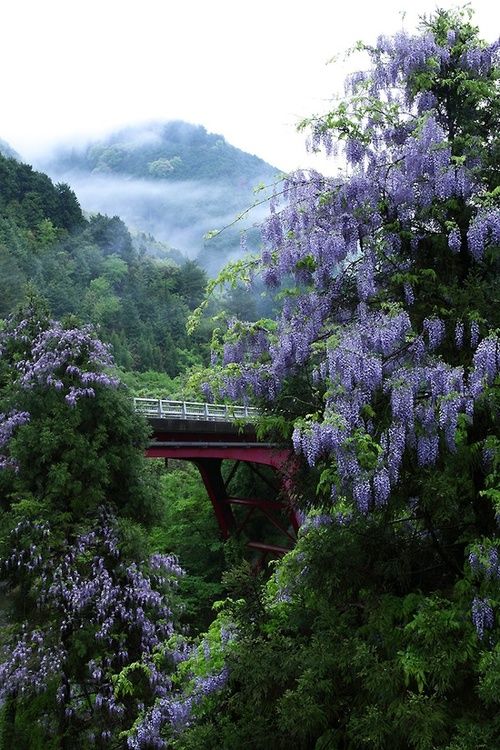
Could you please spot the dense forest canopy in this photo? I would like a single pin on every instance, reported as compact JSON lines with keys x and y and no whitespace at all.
{"x":378,"y":361}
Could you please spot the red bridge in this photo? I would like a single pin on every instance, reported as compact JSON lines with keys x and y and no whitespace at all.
{"x":207,"y":435}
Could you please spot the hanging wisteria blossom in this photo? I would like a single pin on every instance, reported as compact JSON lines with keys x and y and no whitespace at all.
{"x":351,"y":249}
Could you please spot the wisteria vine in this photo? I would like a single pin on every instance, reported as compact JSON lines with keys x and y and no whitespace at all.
{"x":347,"y":253}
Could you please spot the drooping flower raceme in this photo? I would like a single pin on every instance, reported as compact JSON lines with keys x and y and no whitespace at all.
{"x":482,"y":615}
{"x":8,"y":425}
{"x":72,"y":360}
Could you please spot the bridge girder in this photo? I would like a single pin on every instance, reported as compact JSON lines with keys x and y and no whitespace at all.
{"x":208,"y":456}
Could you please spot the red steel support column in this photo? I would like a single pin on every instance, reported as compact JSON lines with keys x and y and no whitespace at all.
{"x":210,"y":471}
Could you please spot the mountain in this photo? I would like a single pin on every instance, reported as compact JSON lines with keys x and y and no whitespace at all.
{"x":135,"y":292}
{"x":8,"y":151}
{"x":173,"y":180}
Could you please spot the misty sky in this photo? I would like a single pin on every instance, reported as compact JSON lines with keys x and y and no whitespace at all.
{"x":248,"y":70}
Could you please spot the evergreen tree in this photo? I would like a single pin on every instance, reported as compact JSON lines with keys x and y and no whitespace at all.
{"x":89,"y":609}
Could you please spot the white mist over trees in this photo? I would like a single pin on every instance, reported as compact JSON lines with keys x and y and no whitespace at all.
{"x":172,"y":180}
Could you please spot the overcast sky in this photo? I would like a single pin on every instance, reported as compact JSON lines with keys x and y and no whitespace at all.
{"x":249,"y":70}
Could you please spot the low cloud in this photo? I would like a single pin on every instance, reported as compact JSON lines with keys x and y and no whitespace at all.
{"x":177,"y":213}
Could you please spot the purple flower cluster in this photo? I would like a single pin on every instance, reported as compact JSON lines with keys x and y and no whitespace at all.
{"x":482,"y":615}
{"x":479,"y":60}
{"x":435,"y":330}
{"x":397,"y":59}
{"x":486,"y":365}
{"x":73,"y":360}
{"x":426,"y":400}
{"x":174,"y":711}
{"x":455,"y":240}
{"x":355,"y":151}
{"x":27,"y":542}
{"x":85,"y":585}
{"x":31,"y":664}
{"x":8,"y":425}
{"x":484,"y":230}
{"x":245,"y":341}
{"x":474,"y":333}
{"x":484,"y":561}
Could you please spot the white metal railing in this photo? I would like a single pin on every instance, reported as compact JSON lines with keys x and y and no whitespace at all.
{"x":166,"y":409}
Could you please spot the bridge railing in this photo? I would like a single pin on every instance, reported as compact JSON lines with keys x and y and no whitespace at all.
{"x":167,"y":409}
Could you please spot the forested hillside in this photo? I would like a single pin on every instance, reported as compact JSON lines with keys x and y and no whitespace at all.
{"x":173,"y":180}
{"x":176,"y":151}
{"x":93,"y":269}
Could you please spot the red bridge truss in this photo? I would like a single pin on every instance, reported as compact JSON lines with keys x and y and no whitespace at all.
{"x":204,"y":434}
